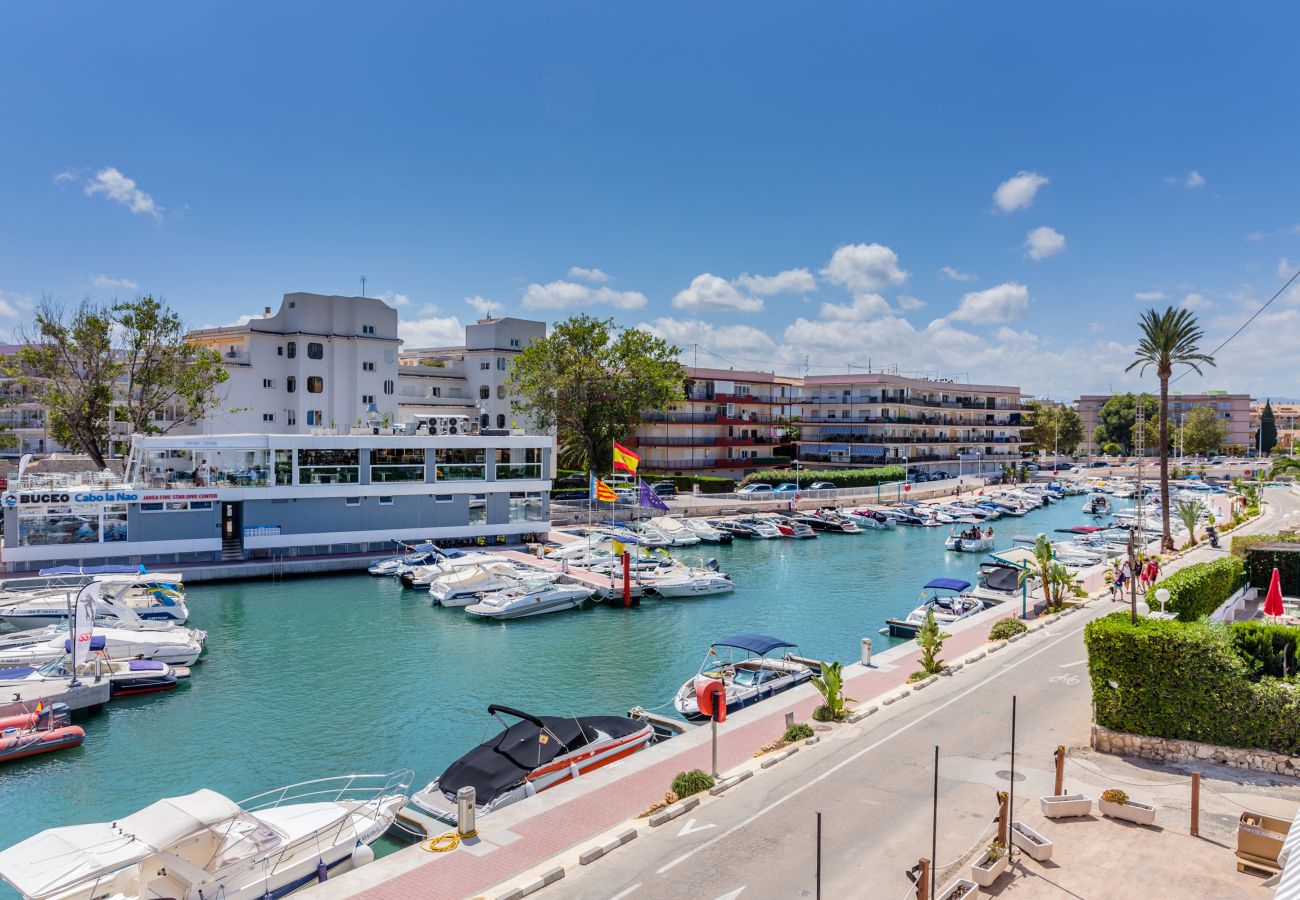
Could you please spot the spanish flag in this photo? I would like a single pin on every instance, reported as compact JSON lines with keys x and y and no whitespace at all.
{"x":601,"y":492}
{"x":625,"y":459}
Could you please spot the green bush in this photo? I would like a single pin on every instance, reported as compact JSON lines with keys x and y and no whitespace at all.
{"x":685,"y":484}
{"x":844,"y":478}
{"x":1188,"y":681}
{"x":1199,"y":589}
{"x":1268,"y":650}
{"x":1263,"y":553}
{"x":823,"y":713}
{"x":797,"y":732}
{"x":692,"y":782}
{"x":1004,"y":629}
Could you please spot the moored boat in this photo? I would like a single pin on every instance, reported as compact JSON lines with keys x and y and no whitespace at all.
{"x":529,"y":600}
{"x":970,"y":540}
{"x":34,"y":733}
{"x":947,"y":600}
{"x":748,"y":680}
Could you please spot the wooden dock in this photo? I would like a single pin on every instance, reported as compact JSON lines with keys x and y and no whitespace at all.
{"x":605,"y":586}
{"x":18,"y":698}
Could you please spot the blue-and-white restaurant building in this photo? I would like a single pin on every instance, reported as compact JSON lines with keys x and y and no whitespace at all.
{"x":258,"y":496}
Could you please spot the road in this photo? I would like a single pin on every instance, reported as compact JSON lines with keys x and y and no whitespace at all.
{"x":872,"y":782}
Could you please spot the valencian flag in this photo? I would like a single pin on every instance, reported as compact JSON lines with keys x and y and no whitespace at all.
{"x":625,"y":459}
{"x":650,"y":498}
{"x":601,"y":492}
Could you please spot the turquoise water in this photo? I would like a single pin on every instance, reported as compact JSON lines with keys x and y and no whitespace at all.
{"x":306,"y":678}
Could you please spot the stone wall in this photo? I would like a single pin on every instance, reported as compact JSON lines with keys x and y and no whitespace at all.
{"x":1165,"y":750}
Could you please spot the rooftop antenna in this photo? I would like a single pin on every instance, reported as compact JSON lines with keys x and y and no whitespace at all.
{"x":363,"y":285}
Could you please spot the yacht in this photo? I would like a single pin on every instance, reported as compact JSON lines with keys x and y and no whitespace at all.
{"x":947,"y":599}
{"x":416,"y":555}
{"x":206,"y":845}
{"x":529,"y":756}
{"x":748,"y":679}
{"x":871,"y":518}
{"x":462,"y":586}
{"x":791,"y":526}
{"x":692,"y":583}
{"x":1097,"y":505}
{"x":707,"y":533}
{"x":529,"y":600}
{"x":151,"y":596}
{"x":675,"y":530}
{"x":734,"y":527}
{"x":828,"y":520}
{"x":761,"y":528}
{"x":126,"y":678}
{"x":420,"y":577}
{"x":174,"y":646}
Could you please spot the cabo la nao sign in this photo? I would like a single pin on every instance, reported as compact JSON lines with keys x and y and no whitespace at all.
{"x":62,"y":498}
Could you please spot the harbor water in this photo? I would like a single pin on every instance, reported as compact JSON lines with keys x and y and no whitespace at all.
{"x":310,"y":677}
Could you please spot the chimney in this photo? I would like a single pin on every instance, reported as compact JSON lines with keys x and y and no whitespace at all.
{"x":266,"y":312}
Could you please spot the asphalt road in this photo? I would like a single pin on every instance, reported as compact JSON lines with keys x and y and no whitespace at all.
{"x":872,"y":783}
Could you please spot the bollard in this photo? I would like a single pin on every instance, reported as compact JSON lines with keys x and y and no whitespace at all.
{"x":923,"y":879}
{"x":466,"y":812}
{"x":1004,"y":833}
{"x":1196,"y":804}
{"x":627,"y":576}
{"x":866,"y":651}
{"x":1060,"y":770}
{"x":789,"y":720}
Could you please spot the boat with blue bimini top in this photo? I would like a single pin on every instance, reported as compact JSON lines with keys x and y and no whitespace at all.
{"x":412,"y":555}
{"x":947,"y":598}
{"x":748,"y":679}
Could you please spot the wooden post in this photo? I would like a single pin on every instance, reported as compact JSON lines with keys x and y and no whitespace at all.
{"x":627,"y":579}
{"x":1002,"y":818}
{"x":1060,"y":771}
{"x":1196,"y":804}
{"x":923,"y":880}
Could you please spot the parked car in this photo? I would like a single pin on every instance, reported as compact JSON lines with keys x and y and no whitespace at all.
{"x":918,"y":478}
{"x":788,"y":487}
{"x":940,"y":476}
{"x":664,"y":488}
{"x":1031,"y":467}
{"x":571,"y":494}
{"x":758,"y":488}
{"x":1098,"y":464}
{"x":822,"y":486}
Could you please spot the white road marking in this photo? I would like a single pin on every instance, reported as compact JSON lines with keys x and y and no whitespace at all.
{"x":1071,"y":665}
{"x":734,"y":894}
{"x":856,"y":756}
{"x":624,"y":893}
{"x":1068,"y":678}
{"x":690,"y":827}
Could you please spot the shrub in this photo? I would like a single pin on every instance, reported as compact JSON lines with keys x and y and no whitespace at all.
{"x":1114,"y":795}
{"x":1199,"y":589}
{"x":709,"y":484}
{"x":823,"y":713}
{"x":797,"y":732}
{"x":830,"y":684}
{"x":1004,"y":629}
{"x":1267,"y":650}
{"x":692,"y":782}
{"x":845,"y":478}
{"x":930,"y":639}
{"x":1264,"y":552}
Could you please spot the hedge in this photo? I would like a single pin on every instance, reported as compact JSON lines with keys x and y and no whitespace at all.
{"x":685,"y":483}
{"x":1267,"y":649}
{"x":1199,"y":589}
{"x":1186,"y":681}
{"x":840,"y":477}
{"x":1261,"y":560}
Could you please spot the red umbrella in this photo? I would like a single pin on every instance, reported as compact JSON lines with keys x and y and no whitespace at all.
{"x":1273,"y":602}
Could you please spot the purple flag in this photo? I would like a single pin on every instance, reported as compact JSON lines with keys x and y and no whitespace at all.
{"x":650,"y":498}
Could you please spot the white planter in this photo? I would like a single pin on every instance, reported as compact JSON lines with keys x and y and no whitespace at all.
{"x":1038,"y":847}
{"x":1064,"y":806}
{"x":1137,"y":813}
{"x":984,"y":873}
{"x":965,"y":889}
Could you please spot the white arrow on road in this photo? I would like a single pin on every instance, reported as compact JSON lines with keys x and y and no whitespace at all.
{"x":690,"y":828}
{"x":733,"y":895}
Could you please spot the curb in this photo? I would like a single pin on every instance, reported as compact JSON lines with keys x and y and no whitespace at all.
{"x":994,"y":648}
{"x":549,"y":877}
{"x":1016,"y":637}
{"x":672,"y":812}
{"x":812,"y":740}
{"x":925,"y":682}
{"x":784,"y":754}
{"x":895,"y":698}
{"x":594,"y":853}
{"x":728,"y":783}
{"x":861,"y":714}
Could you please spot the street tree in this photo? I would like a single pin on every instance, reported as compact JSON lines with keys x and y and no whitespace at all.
{"x":1203,"y":431}
{"x":1267,"y":429}
{"x":1052,"y":429}
{"x":592,"y":380}
{"x":1169,"y":339}
{"x":1116,"y":418}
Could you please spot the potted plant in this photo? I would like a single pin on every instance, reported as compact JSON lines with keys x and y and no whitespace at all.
{"x":1027,"y":839}
{"x":1065,"y":806}
{"x":989,"y":865}
{"x":1116,"y":804}
{"x":964,"y":889}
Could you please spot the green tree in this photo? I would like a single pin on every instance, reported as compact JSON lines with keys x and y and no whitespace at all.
{"x":1189,"y":513}
{"x":1267,"y":428}
{"x":930,"y":639}
{"x":1169,"y":339}
{"x":1052,"y":428}
{"x":1203,"y":431}
{"x":1117,"y":416}
{"x":591,"y":381}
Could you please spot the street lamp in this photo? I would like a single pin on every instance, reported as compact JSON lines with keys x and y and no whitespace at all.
{"x":1162,"y":594}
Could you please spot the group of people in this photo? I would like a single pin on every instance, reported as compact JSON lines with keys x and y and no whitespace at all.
{"x":1148,"y":573}
{"x":974,"y":534}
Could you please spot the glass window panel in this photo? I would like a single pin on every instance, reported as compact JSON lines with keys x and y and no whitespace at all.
{"x":478,"y":509}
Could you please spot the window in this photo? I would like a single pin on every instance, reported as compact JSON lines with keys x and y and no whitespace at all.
{"x":367,"y":329}
{"x":501,"y":392}
{"x":483,"y":421}
{"x":268,"y":417}
{"x":328,"y":466}
{"x":460,"y":463}
{"x":351,"y":501}
{"x":501,"y":420}
{"x":485,"y":365}
{"x":397,"y":464}
{"x":484,"y":392}
{"x":177,"y":506}
{"x":284,"y":466}
{"x":514,"y":342}
{"x":315,"y":351}
{"x":518,"y":462}
{"x":268,"y":382}
{"x":71,"y":525}
{"x":293,"y":349}
{"x":501,"y":363}
{"x":279,"y":351}
{"x":291,"y":384}
{"x":478,"y":509}
{"x":385,"y":501}
{"x":389,"y":386}
{"x":367,"y":398}
{"x":525,"y":507}
{"x":293,"y":304}
{"x":290,"y":417}
{"x":444,"y":498}
{"x":315,"y":417}
{"x":315,"y":384}
{"x":435,"y":392}
{"x":367,"y":367}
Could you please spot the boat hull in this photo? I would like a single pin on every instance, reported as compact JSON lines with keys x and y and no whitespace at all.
{"x":744,"y":698}
{"x":32,"y":743}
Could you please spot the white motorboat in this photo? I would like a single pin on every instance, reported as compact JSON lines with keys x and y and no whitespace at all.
{"x":462,"y":586}
{"x":416,"y":555}
{"x":1000,"y":583}
{"x":691,"y":583}
{"x":153,"y":596}
{"x":525,"y":600}
{"x":675,"y":530}
{"x":421,"y":577}
{"x":948,"y":601}
{"x":970,"y":540}
{"x":176,"y":646}
{"x":761,"y":528}
{"x":205,"y":845}
{"x":707,"y":533}
{"x":1097,"y":505}
{"x":746,"y":680}
{"x":790,"y":526}
{"x":871,"y":518}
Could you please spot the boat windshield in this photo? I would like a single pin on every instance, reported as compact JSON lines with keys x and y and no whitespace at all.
{"x":241,"y":838}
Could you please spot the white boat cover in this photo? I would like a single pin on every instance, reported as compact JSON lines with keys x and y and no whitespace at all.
{"x":1017,"y":556}
{"x":60,"y":858}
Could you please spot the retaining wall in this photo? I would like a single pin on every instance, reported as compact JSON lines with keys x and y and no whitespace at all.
{"x":1165,"y":750}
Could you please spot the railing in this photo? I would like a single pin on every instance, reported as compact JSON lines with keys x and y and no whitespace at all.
{"x":704,"y":441}
{"x":661,"y":465}
{"x":510,"y":471}
{"x":465,"y":472}
{"x":340,"y":788}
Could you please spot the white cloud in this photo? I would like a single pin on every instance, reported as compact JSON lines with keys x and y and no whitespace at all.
{"x":120,"y":189}
{"x":708,"y":291}
{"x":1194,"y":179}
{"x":953,"y":275}
{"x":65,"y":175}
{"x":483,"y":306}
{"x":1195,"y":301}
{"x":394,"y":299}
{"x":863,"y":308}
{"x":723,"y":339}
{"x":12,"y":302}
{"x":910,"y":303}
{"x":103,"y":281}
{"x":1018,"y":191}
{"x":588,"y":274}
{"x":791,"y":281}
{"x":1285,"y":268}
{"x":433,"y":331}
{"x":559,"y":294}
{"x":1043,"y":242}
{"x":817,"y":337}
{"x":864,"y":268}
{"x":1000,"y":303}
{"x":1149,"y":296}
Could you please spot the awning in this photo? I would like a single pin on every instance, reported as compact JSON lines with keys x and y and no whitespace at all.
{"x":761,"y":644}
{"x":947,"y":584}
{"x":1020,"y":557}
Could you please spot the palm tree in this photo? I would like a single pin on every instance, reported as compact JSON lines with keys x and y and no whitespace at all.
{"x":1189,"y":512}
{"x":1170,"y":338}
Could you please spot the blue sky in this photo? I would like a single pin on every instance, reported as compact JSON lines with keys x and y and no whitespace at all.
{"x":845,"y":156}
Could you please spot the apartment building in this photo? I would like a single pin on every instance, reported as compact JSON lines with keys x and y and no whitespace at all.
{"x":876,"y":419}
{"x":1286,"y":416}
{"x":1234,"y":409}
{"x":23,"y":421}
{"x":728,"y":422}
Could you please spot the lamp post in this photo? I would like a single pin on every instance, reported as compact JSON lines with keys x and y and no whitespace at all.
{"x":1162,"y":595}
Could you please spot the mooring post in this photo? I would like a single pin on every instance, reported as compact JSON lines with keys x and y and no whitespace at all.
{"x":923,"y":880}
{"x":1060,"y":771}
{"x":1196,"y":804}
{"x":1002,"y":818}
{"x":627,"y":582}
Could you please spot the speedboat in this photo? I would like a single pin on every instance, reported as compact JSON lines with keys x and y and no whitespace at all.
{"x":791,"y":526}
{"x":970,"y":540}
{"x":421,"y":577}
{"x":126,"y":678}
{"x":531,"y":755}
{"x":175,"y":646}
{"x":1097,"y":505}
{"x":707,"y":532}
{"x":734,"y":527}
{"x":28,"y":734}
{"x":529,"y":600}
{"x":838,"y":521}
{"x":871,"y":518}
{"x":905,"y":516}
{"x":754,"y":677}
{"x":460,"y":587}
{"x":692,"y":583}
{"x":999,"y":583}
{"x":948,"y":601}
{"x":971,"y":511}
{"x":153,"y":597}
{"x":205,"y":845}
{"x":415,"y":555}
{"x":761,"y":528}
{"x":675,"y":530}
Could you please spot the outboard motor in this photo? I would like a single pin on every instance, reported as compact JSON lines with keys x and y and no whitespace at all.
{"x":711,"y":564}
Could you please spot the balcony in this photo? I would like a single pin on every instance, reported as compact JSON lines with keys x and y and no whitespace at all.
{"x":660,"y":465}
{"x":707,"y":440}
